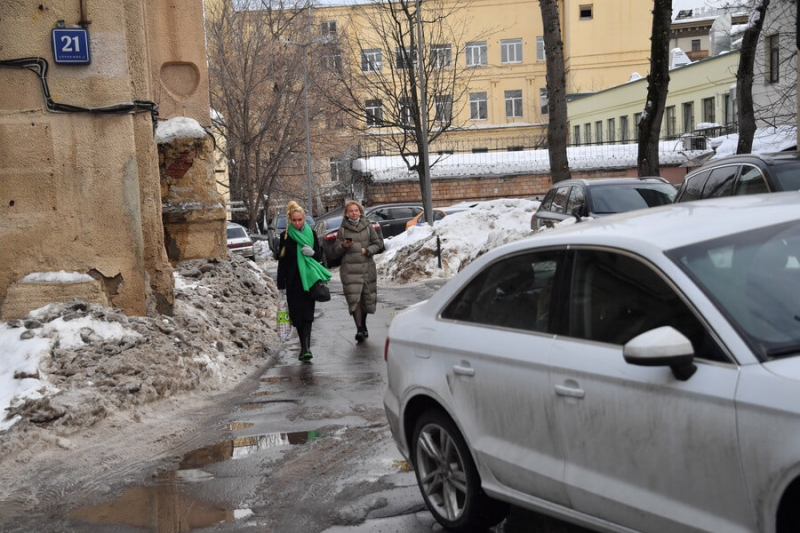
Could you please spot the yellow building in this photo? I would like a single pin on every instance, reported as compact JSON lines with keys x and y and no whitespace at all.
{"x":501,"y":55}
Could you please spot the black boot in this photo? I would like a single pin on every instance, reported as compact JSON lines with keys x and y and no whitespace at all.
{"x":305,"y":342}
{"x":301,"y":334}
{"x":359,"y":330}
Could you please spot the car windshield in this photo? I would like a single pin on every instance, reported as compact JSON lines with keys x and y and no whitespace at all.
{"x":236,"y":232}
{"x":754,"y":279}
{"x":608,"y":199}
{"x":787,"y":174}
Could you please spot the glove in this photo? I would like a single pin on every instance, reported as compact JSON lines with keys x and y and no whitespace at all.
{"x":307,"y":250}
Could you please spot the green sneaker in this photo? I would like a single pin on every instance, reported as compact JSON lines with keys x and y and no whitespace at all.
{"x":306,"y":356}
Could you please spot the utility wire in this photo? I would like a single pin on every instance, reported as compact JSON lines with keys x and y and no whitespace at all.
{"x":38,"y":66}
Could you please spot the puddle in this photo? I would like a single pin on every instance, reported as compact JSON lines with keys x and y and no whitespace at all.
{"x":163,"y":508}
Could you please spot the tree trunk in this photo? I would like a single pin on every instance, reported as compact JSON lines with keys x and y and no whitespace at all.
{"x":556,"y":91}
{"x":657,"y":88}
{"x":744,"y":79}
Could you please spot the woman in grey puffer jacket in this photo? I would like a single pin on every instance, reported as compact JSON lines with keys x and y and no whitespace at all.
{"x":356,"y":243}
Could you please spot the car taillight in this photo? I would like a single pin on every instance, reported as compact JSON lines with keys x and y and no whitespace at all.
{"x":240,"y":245}
{"x":386,"y":350}
{"x":330,"y":236}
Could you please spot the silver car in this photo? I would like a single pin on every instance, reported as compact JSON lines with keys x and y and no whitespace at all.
{"x":239,"y":242}
{"x":638,"y":372}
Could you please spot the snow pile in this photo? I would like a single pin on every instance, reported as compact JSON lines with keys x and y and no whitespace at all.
{"x":71,"y":365}
{"x":464,"y":236}
{"x":765,"y":140}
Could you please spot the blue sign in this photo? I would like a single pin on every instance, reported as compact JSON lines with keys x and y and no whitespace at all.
{"x":71,"y":46}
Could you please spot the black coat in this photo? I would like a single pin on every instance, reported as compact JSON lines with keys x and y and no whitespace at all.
{"x":301,"y":304}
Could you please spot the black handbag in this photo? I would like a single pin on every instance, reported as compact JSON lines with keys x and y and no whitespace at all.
{"x":320,"y":292}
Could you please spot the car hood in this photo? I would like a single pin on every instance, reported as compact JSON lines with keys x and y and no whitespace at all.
{"x":786,"y":367}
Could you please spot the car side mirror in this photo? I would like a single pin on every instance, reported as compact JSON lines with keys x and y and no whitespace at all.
{"x":664,"y":346}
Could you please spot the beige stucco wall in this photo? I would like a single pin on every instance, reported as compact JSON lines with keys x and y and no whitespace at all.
{"x":80,"y":192}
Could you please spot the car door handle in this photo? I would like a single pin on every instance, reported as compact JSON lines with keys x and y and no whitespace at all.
{"x":463,"y":370}
{"x":561,"y":390}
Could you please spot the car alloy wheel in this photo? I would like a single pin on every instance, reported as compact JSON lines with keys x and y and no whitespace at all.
{"x":448,"y":479}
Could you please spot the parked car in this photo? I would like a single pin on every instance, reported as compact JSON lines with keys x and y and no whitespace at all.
{"x":277,"y":226}
{"x":742,"y":174}
{"x":438,"y":214}
{"x":239,"y":242}
{"x":638,"y":372}
{"x":600,"y":197}
{"x":326,"y":231}
{"x":392,"y":217}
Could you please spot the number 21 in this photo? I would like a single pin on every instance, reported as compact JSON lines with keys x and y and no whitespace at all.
{"x":67,"y":44}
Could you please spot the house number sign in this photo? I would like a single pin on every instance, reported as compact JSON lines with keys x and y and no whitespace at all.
{"x":71,"y":46}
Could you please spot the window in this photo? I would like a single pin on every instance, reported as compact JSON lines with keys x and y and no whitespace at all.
{"x":328,"y":28}
{"x":637,"y":118}
{"x":598,"y":131}
{"x":513,"y":103}
{"x":773,"y":58}
{"x":559,"y":204}
{"x":374,"y":109}
{"x":540,"y":49}
{"x":576,"y":203}
{"x":730,"y":116}
{"x":587,"y":132}
{"x":708,"y":109}
{"x":693,"y":186}
{"x":338,"y":169}
{"x":623,"y":129}
{"x":511,"y":51}
{"x":405,"y":58}
{"x":441,"y":55}
{"x":586,"y":12}
{"x":332,"y":61}
{"x":476,"y":54}
{"x":543,"y":102}
{"x":720,"y":182}
{"x":371,"y":60}
{"x":616,"y":297}
{"x":478,"y":106}
{"x":695,"y":45}
{"x":576,"y":134}
{"x":515,"y":292}
{"x":406,"y":112}
{"x":688,"y":117}
{"x":751,"y":181}
{"x":612,"y":127}
{"x":444,"y":108}
{"x":670,"y":119}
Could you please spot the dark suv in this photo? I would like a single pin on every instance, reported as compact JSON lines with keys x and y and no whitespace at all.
{"x":392,"y":217}
{"x":738,"y":175}
{"x":598,"y":197}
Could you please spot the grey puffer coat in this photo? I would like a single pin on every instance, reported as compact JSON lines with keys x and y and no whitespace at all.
{"x":358,"y":274}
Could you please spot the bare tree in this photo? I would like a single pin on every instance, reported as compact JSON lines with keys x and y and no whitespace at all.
{"x":775,"y":100}
{"x":257,"y":93}
{"x":657,"y":87}
{"x":744,"y":78}
{"x":382,"y":94}
{"x":556,"y":91}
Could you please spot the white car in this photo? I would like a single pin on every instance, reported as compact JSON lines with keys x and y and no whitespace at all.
{"x":639,"y":372}
{"x":239,"y":242}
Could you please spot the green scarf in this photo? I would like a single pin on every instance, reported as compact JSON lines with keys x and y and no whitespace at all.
{"x":310,"y":269}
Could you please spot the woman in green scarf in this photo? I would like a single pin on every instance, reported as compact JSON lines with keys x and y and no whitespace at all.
{"x":298,"y":269}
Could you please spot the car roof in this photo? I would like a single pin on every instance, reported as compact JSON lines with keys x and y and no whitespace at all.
{"x":675,"y":225}
{"x":610,"y":181}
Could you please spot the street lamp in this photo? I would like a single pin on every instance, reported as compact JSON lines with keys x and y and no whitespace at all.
{"x":305,"y":96}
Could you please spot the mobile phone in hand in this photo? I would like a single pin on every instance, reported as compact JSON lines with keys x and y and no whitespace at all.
{"x":348,"y":239}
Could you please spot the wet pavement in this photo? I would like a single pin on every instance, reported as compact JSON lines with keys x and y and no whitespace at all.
{"x":305,"y":449}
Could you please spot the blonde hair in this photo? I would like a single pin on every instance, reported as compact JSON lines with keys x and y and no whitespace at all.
{"x":353,"y":202}
{"x":292,"y":207}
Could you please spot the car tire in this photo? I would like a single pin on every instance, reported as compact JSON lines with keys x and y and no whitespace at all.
{"x":448,"y":479}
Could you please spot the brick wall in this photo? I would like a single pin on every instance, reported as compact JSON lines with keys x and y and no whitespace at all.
{"x":446,"y":191}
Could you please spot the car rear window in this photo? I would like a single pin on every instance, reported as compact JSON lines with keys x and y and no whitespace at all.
{"x":235,"y":232}
{"x":607,"y":199}
{"x":693,"y":187}
{"x":720,"y":182}
{"x":787,"y":176}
